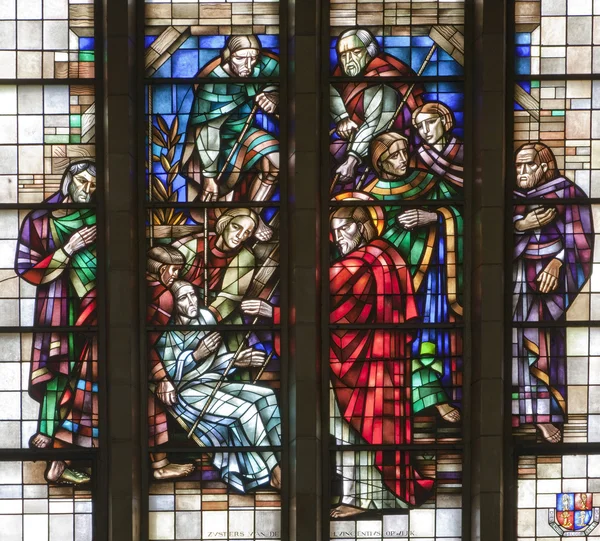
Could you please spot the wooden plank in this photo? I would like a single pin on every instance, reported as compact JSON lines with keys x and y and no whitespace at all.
{"x":528,"y":102}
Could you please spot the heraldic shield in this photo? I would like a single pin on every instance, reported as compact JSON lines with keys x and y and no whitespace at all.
{"x":574,"y":515}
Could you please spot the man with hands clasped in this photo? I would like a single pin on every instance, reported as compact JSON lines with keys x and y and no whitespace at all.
{"x":554,"y":241}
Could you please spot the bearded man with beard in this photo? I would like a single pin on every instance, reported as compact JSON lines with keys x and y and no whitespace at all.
{"x":554,"y":243}
{"x":370,"y":367}
{"x":362,"y":111}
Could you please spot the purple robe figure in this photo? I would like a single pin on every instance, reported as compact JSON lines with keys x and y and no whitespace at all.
{"x":553,"y":249}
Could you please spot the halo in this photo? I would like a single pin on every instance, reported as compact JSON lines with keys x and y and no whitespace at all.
{"x":376,"y":212}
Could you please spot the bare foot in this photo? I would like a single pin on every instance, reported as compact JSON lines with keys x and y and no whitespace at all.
{"x":448,"y":413}
{"x":59,"y":474}
{"x":172,"y":471}
{"x":276,"y":477}
{"x":40,"y":441}
{"x":342,"y":511}
{"x":549,"y":432}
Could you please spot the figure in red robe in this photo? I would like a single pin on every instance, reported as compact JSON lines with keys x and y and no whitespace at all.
{"x":361,"y":110}
{"x":370,"y":367}
{"x":163,"y":265}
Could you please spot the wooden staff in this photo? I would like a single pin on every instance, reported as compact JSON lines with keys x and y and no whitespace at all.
{"x":262,"y":368}
{"x":228,"y":369}
{"x":398,"y":110}
{"x":238,"y":141}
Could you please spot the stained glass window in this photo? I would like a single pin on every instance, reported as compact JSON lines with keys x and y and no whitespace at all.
{"x":396,"y":190}
{"x":213,"y":293}
{"x":49,"y":188}
{"x":555,"y":388}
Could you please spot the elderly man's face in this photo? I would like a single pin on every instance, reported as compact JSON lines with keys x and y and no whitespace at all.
{"x":82,"y":187}
{"x":187,"y":302}
{"x":168,"y":274}
{"x":397,"y":161}
{"x":431,"y":127}
{"x":353,"y":55}
{"x":242,"y":62}
{"x":347,"y":234}
{"x":237,"y":231}
{"x":529,"y":173}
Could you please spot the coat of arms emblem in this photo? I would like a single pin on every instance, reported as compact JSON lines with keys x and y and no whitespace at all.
{"x":574,"y":515}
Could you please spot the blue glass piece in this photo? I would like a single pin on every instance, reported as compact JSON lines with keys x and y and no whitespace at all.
{"x":164,"y":70}
{"x":149,"y":40}
{"x":185,"y":63}
{"x":401,"y":54}
{"x":448,"y":69}
{"x":396,"y":41}
{"x":523,"y":38}
{"x":518,"y":107}
{"x":525,"y":85}
{"x":269,"y":41}
{"x":212,"y":42}
{"x":86,"y":44}
{"x":523,"y":66}
{"x":430,"y":70}
{"x":422,"y":41}
{"x":190,"y":43}
{"x":444,"y":56}
{"x":184,"y":98}
{"x":523,"y":50}
{"x":206,"y":56}
{"x":333,"y":57}
{"x":161,"y":99}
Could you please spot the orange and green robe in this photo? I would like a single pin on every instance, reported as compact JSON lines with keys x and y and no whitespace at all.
{"x":434,"y":255}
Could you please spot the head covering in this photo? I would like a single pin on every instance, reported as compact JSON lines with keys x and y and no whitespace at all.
{"x":237,"y":43}
{"x":230,"y":214}
{"x":163,"y":255}
{"x":178,"y":285}
{"x":359,"y":215}
{"x":435,"y":108}
{"x":380,"y":148}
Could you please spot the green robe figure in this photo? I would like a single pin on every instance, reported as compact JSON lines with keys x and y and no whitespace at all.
{"x":232,"y":151}
{"x":431,"y":243}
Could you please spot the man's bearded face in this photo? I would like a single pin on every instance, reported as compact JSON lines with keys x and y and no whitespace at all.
{"x":529,"y":173}
{"x":397,"y":161}
{"x":353,"y":55}
{"x":168,"y":274}
{"x":187,"y":302}
{"x":237,"y":231}
{"x":346,"y":233}
{"x":431,"y":128}
{"x":242,"y":62}
{"x":82,"y":187}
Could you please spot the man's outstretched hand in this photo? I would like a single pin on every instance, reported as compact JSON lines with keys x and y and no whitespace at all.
{"x":535,"y":219}
{"x":250,"y":358}
{"x":79,"y":240}
{"x":548,"y":278}
{"x":346,"y":127}
{"x":166,"y":393}
{"x":257,"y":307}
{"x":207,"y":346}
{"x":268,"y":101}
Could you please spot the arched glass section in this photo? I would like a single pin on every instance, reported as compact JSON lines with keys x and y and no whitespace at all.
{"x":213,"y":191}
{"x":395,"y":186}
